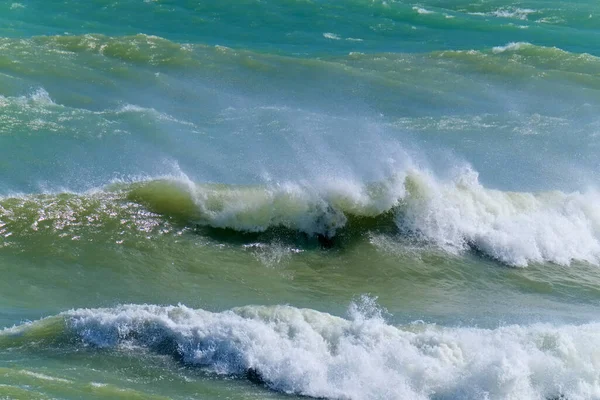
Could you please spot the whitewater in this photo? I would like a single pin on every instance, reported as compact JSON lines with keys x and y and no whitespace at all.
{"x":302,"y":351}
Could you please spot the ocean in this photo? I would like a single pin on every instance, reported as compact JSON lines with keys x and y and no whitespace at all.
{"x":287,"y":199}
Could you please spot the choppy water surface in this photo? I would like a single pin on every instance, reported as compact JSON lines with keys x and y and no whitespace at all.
{"x":270,"y":199}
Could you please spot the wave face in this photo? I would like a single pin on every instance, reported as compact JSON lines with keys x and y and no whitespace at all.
{"x":302,"y":351}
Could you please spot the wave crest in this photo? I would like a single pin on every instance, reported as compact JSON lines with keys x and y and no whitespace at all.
{"x":514,"y":228}
{"x":456,"y":215}
{"x":307,"y":352}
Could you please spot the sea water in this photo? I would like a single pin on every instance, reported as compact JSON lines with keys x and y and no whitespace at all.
{"x":253,"y":199}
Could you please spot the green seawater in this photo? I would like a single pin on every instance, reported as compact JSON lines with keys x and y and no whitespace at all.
{"x":279,"y":199}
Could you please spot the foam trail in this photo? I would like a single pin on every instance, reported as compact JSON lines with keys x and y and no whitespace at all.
{"x":307,"y":352}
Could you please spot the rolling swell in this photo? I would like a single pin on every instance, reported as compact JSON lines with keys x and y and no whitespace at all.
{"x":117,"y":56}
{"x":303,"y":351}
{"x":123,"y":66}
{"x":454,"y":215}
{"x":370,"y":21}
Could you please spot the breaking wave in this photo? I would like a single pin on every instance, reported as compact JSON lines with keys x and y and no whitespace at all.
{"x":456,"y":215}
{"x":459,"y":214}
{"x":303,"y":351}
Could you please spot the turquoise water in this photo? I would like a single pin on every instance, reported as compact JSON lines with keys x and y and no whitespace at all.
{"x":288,"y":198}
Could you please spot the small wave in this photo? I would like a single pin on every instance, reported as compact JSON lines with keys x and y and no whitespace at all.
{"x":134,"y":109}
{"x":332,"y":36}
{"x":306,"y":352}
{"x":140,"y":48}
{"x":528,"y":60}
{"x":422,"y":11}
{"x":512,"y":12}
{"x":37,"y":112}
{"x":32,"y":112}
{"x":514,"y":46}
{"x":41,"y":96}
{"x":37,"y":97}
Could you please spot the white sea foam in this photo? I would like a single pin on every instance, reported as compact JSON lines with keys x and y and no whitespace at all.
{"x":421,"y":10}
{"x":315,"y":354}
{"x":512,"y":12}
{"x":132,"y":108}
{"x":44,"y":376}
{"x":515,"y":228}
{"x":332,"y":36}
{"x":518,"y":13}
{"x":513,"y":46}
{"x":38,"y":97}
